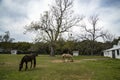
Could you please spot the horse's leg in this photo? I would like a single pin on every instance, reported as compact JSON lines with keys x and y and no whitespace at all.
{"x":67,"y":59}
{"x":26,"y":66}
{"x":31,"y":64}
{"x":63,"y":59}
{"x":71,"y":59}
{"x":34,"y":62}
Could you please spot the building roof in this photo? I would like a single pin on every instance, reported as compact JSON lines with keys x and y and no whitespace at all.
{"x":114,"y":48}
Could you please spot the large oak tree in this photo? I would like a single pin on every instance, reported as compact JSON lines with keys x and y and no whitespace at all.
{"x":59,"y":19}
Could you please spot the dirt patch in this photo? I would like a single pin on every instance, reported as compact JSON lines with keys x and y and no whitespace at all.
{"x":57,"y":61}
{"x":90,"y":59}
{"x":61,"y":61}
{"x":75,"y":61}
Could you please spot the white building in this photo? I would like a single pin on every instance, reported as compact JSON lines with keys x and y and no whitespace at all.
{"x":13,"y":51}
{"x":75,"y":53}
{"x":1,"y":50}
{"x":113,"y":52}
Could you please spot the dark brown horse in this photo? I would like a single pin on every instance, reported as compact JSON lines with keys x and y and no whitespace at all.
{"x":26,"y":59}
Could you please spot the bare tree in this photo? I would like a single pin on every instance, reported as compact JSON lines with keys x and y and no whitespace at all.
{"x":108,"y":37}
{"x":93,"y":33}
{"x":1,"y":38}
{"x":52,"y":23}
{"x":6,"y":37}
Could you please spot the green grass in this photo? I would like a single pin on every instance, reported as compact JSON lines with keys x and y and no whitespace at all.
{"x":52,"y":68}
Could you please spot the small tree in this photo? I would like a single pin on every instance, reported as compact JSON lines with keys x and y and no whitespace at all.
{"x":108,"y":37}
{"x":6,"y":37}
{"x":93,"y":33}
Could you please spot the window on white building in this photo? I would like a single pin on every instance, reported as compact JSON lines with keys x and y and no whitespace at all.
{"x":118,"y":53}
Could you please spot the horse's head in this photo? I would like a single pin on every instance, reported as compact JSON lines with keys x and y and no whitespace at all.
{"x":20,"y":67}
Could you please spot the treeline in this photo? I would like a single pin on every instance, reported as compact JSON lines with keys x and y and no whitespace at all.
{"x":61,"y":46}
{"x":21,"y":47}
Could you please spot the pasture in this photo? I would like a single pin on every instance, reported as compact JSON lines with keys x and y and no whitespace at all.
{"x":52,"y":68}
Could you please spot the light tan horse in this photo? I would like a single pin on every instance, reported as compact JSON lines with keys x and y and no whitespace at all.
{"x":67,"y":57}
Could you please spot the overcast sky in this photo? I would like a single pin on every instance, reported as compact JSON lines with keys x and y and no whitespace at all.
{"x":15,"y":14}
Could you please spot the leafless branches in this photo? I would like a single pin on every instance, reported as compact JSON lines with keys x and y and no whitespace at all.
{"x":58,"y":20}
{"x":91,"y":33}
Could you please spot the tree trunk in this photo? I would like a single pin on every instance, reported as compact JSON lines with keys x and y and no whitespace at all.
{"x":92,"y":52}
{"x":52,"y":51}
{"x":92,"y":48}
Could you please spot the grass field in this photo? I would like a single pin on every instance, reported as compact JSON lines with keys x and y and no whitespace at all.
{"x":52,"y":68}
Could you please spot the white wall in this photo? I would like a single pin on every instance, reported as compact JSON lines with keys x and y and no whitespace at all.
{"x":105,"y":53}
{"x":75,"y":53}
{"x":108,"y":54}
{"x":117,"y":56}
{"x":13,"y":51}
